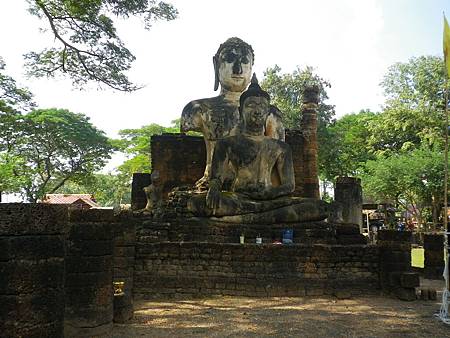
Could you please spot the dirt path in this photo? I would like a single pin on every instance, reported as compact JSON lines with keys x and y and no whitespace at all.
{"x":285,"y":317}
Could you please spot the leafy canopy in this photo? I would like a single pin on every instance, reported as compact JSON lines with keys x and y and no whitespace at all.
{"x":51,"y":147}
{"x":89,"y":48}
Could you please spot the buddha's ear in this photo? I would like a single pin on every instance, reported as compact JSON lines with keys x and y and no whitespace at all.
{"x":216,"y":72}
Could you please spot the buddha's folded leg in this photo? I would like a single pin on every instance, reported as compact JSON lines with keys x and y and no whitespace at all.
{"x":308,"y":210}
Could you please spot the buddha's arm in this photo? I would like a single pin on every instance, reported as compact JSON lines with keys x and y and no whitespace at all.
{"x":285,"y":170}
{"x":219,"y":160}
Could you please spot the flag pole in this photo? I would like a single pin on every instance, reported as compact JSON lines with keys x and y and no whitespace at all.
{"x":444,"y":311}
{"x":446,"y":228}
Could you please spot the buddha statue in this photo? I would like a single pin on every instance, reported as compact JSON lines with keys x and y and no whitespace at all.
{"x":261,"y":173}
{"x":218,"y":117}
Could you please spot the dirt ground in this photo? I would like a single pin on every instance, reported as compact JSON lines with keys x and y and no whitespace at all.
{"x":286,"y":317}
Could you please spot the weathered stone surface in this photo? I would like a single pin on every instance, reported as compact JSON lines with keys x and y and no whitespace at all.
{"x":32,"y":270}
{"x":409,"y":279}
{"x":138,"y":183}
{"x":348,"y":193}
{"x":406,"y":294}
{"x":89,"y":274}
{"x":265,"y":270}
{"x":32,"y":219}
{"x":434,"y":256}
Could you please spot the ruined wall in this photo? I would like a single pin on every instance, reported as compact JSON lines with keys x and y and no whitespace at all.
{"x":434,"y":256}
{"x":32,"y":270}
{"x":89,"y":284}
{"x":180,"y":159}
{"x":174,"y":269}
{"x":396,"y":274}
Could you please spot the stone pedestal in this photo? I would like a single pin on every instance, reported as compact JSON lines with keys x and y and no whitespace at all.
{"x":348,"y":193}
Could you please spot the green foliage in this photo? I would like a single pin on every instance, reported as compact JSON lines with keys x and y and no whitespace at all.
{"x":414,"y":109}
{"x":89,"y":47}
{"x":286,"y":89}
{"x":412,"y":179}
{"x":50,"y":147}
{"x":135,"y":143}
{"x":346,"y":151}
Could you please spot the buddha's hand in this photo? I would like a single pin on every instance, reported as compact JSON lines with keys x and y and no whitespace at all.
{"x":257,"y":191}
{"x":213,"y":195}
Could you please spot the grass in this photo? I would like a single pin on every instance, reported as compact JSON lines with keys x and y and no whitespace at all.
{"x":417,"y":257}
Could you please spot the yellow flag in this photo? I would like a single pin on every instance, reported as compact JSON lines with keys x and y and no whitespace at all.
{"x":447,"y":46}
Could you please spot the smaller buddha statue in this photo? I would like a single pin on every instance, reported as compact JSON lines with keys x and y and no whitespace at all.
{"x":261,"y":173}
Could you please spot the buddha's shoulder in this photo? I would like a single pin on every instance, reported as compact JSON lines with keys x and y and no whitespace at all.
{"x":202,"y":105}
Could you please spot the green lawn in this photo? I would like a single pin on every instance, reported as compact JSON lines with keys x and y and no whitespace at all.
{"x":417,"y":257}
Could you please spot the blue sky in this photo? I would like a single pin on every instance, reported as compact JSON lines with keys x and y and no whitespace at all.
{"x":349,"y":42}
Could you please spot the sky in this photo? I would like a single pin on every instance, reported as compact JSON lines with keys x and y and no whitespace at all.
{"x":351,"y":43}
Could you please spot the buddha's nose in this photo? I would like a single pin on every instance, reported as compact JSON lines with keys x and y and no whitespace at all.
{"x":237,"y":67}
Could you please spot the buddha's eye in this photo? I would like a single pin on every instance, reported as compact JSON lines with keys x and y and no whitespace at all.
{"x":230,"y":57}
{"x":245,"y":59}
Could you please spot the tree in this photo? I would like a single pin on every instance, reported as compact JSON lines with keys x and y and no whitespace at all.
{"x":414,"y":108}
{"x":89,"y":48}
{"x":55,"y":146}
{"x":13,"y":100}
{"x":347,"y":151}
{"x":286,"y":90}
{"x":413,"y":180}
{"x":12,"y":97}
{"x":135,"y":143}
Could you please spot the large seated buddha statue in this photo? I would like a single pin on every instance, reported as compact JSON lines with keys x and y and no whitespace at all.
{"x":260,"y":173}
{"x":218,"y":117}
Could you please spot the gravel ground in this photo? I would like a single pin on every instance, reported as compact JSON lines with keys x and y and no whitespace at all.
{"x":286,"y":317}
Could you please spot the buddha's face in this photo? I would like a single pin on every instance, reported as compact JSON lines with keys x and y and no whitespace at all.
{"x":255,"y":110}
{"x":235,"y":69}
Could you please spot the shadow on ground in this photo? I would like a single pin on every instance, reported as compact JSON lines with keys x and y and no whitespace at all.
{"x":284,"y":317}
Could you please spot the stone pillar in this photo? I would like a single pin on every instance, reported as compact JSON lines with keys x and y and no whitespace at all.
{"x":434,"y":256}
{"x":89,"y":284}
{"x":32,"y":270}
{"x":310,"y":147}
{"x":123,"y":266}
{"x":348,"y":192}
{"x":138,"y":198}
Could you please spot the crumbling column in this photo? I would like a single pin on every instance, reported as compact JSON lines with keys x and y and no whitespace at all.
{"x":310,"y":147}
{"x":348,"y":192}
{"x":123,"y":267}
{"x":89,"y":283}
{"x":32,"y":270}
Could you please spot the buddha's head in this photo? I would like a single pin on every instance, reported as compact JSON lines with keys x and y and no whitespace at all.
{"x":233,"y":65}
{"x":254,"y":106}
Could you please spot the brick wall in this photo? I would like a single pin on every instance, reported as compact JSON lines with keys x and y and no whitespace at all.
{"x":176,"y":269}
{"x":180,"y":159}
{"x":32,"y":270}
